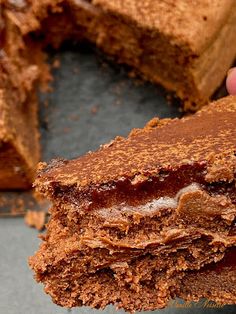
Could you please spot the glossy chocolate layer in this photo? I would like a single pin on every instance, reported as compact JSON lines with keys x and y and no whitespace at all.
{"x":162,"y":147}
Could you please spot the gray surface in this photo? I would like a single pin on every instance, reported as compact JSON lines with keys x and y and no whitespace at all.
{"x":83,"y":82}
{"x":69,"y":128}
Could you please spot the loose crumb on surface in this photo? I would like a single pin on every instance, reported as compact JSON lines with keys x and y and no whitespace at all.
{"x":36,"y":219}
{"x":56,"y":64}
{"x":94,"y":109}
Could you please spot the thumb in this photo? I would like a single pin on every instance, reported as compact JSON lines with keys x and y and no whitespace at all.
{"x":231,"y":81}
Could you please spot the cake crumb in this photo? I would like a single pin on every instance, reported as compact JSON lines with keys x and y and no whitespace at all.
{"x":132,"y":74}
{"x":94,"y":109}
{"x":46,"y":103}
{"x":169,"y":99}
{"x":36,"y":219}
{"x":56,"y":64}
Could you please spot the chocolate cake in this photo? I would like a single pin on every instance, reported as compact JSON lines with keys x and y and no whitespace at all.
{"x":19,"y":138}
{"x":184,"y":45}
{"x":145,"y":218}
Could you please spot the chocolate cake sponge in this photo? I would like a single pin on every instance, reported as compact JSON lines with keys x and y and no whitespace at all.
{"x":22,"y":68}
{"x":214,"y":281}
{"x":183,"y":45}
{"x":19,"y":137}
{"x":145,"y":218}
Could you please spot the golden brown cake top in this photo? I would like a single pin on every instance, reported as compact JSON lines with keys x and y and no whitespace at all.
{"x":189,"y":23}
{"x":207,"y":138}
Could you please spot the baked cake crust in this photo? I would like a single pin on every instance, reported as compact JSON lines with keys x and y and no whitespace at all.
{"x":141,"y":219}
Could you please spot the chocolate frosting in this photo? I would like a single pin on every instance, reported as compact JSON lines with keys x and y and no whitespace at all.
{"x":207,"y":138}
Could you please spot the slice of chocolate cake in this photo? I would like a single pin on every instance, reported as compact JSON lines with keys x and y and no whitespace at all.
{"x":22,"y":67}
{"x":19,"y":137}
{"x":139,"y":220}
{"x":183,"y":45}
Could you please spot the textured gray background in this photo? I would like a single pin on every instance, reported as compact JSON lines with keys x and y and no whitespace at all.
{"x":92,"y":102}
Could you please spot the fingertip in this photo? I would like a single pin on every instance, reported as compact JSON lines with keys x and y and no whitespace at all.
{"x":231,"y":81}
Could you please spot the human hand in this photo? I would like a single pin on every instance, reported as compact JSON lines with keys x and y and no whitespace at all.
{"x":231,"y":81}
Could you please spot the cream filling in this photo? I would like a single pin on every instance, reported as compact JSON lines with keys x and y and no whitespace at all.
{"x":86,"y":5}
{"x":190,"y":201}
{"x":18,"y":3}
{"x":150,"y":209}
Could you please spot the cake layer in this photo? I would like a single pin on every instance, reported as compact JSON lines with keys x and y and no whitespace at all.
{"x":173,"y":248}
{"x":133,"y":282}
{"x":22,"y":66}
{"x":19,"y":138}
{"x":131,"y":222}
{"x":215,"y":282}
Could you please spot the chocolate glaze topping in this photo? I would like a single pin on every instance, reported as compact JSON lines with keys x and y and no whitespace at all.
{"x":167,"y":145}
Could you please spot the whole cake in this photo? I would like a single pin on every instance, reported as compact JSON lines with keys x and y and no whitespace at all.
{"x":145,"y":218}
{"x":184,"y":45}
